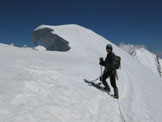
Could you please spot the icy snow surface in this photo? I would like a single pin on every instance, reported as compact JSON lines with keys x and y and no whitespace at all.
{"x":48,"y":86}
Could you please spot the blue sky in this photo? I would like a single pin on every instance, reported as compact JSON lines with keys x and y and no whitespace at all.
{"x":130,"y":21}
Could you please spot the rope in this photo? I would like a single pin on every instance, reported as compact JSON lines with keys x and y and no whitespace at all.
{"x":122,"y":118}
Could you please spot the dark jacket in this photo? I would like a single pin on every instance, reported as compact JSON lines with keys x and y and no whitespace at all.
{"x":109,"y":62}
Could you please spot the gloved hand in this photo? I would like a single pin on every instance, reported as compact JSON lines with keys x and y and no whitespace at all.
{"x":101,"y":59}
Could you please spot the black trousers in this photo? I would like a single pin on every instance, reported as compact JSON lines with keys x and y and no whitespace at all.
{"x":112,"y":79}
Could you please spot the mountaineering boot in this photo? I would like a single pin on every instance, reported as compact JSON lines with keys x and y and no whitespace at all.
{"x":116,"y":94}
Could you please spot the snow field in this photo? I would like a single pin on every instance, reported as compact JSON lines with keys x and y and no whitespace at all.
{"x":46,"y":86}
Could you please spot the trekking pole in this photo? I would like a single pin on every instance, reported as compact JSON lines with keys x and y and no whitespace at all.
{"x":98,"y":76}
{"x":96,"y":79}
{"x":101,"y":76}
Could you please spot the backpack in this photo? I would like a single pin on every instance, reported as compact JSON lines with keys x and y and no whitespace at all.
{"x":117,"y":62}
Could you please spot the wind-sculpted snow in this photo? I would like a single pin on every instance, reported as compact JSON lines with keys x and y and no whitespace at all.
{"x":50,"y":40}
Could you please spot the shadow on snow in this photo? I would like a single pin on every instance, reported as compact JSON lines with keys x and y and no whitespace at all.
{"x":96,"y":85}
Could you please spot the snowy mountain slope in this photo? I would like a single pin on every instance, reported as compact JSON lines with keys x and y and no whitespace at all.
{"x":46,"y":86}
{"x":147,"y":58}
{"x":144,"y":56}
{"x":78,"y":36}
